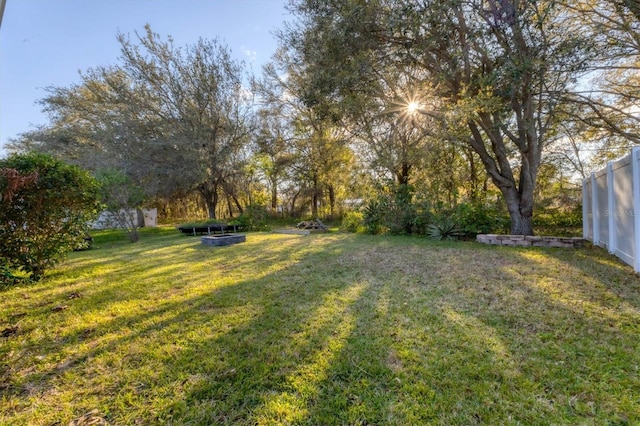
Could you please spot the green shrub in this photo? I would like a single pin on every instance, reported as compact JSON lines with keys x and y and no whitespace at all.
{"x":476,"y":218}
{"x":444,"y":229}
{"x":395,"y":213}
{"x":558,"y":218}
{"x":400,"y":218}
{"x":400,"y":214}
{"x":373,"y":216}
{"x":254,"y":218}
{"x":7,"y":278}
{"x":353,"y":221}
{"x":46,"y":217}
{"x":560,"y":223}
{"x":423,"y":216}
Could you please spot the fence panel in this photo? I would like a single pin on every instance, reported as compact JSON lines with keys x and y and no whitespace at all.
{"x":611,"y":208}
{"x":600,"y":210}
{"x":622,"y":211}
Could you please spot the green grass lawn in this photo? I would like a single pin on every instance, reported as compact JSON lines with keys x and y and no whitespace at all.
{"x":323,"y":329}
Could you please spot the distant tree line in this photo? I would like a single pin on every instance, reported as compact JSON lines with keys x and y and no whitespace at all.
{"x":425,"y":111}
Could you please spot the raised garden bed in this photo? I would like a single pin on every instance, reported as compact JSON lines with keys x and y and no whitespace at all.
{"x":207,"y":229}
{"x":223,"y":239}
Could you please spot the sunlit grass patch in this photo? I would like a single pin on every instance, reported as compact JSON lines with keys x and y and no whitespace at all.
{"x":323,"y":329}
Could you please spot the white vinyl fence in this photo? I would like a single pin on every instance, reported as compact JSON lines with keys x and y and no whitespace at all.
{"x":611,"y":208}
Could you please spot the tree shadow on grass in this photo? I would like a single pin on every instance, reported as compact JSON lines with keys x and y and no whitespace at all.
{"x":154,"y":268}
{"x":616,"y":280}
{"x":442,"y":335}
{"x":420,"y":339}
{"x":359,"y":330}
{"x":565,"y":335}
{"x":187,"y":316}
{"x":291,"y":358}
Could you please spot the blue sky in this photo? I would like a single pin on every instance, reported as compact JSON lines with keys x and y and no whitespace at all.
{"x":47,"y":42}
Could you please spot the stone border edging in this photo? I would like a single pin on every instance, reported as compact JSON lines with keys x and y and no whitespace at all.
{"x":530,"y":241}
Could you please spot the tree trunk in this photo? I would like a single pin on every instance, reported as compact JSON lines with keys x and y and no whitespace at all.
{"x":293,"y":203}
{"x":521,"y":225}
{"x":210,"y":196}
{"x":237,"y":203}
{"x":520,"y":208}
{"x":314,"y":205}
{"x":403,"y":174}
{"x":212,"y":204}
{"x":474,"y":187}
{"x":519,"y":196}
{"x":315,"y":199}
{"x":332,"y":199}
{"x":274,"y":195}
{"x":229,"y":207}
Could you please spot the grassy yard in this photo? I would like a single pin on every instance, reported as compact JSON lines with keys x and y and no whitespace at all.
{"x":324,"y":329}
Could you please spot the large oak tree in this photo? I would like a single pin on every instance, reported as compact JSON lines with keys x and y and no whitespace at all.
{"x":499,"y":68}
{"x":173,"y":119}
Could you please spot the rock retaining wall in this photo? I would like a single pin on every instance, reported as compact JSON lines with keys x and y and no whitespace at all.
{"x":528,"y":241}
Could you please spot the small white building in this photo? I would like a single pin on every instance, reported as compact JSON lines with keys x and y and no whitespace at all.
{"x":143,"y":217}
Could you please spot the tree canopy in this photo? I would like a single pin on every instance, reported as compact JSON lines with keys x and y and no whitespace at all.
{"x":416,"y":106}
{"x":172,"y":119}
{"x":499,"y":70}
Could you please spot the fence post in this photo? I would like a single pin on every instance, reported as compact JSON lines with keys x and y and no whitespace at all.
{"x":595,"y":211}
{"x":635,"y":173}
{"x":585,"y":210}
{"x":611,"y":209}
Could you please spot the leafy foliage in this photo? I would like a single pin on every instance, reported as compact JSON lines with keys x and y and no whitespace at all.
{"x":559,"y":222}
{"x":353,"y":92}
{"x":374,"y":217}
{"x":174,"y":118}
{"x":476,"y":218}
{"x":393,"y":212}
{"x":399,"y":211}
{"x":353,"y":221}
{"x":607,"y":112}
{"x":121,"y":197}
{"x":254,"y":218}
{"x":399,"y":216}
{"x":493,"y":78}
{"x":444,"y":229}
{"x":201,"y":223}
{"x":45,"y":218}
{"x":14,"y":180}
{"x":552,"y":218}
